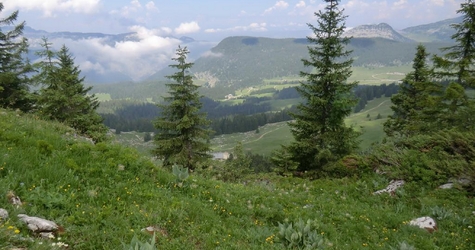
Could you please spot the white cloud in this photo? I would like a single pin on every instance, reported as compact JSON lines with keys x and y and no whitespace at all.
{"x":356,"y":4}
{"x":277,"y":5}
{"x":212,"y":30}
{"x":136,"y":4}
{"x":135,"y":10}
{"x":438,"y":2}
{"x":128,"y":10}
{"x":144,"y":33}
{"x":257,"y":26}
{"x":186,"y":28}
{"x":49,"y":7}
{"x":138,"y":59}
{"x":90,"y":66}
{"x":300,"y":4}
{"x":151,"y":6}
{"x":250,"y":27}
{"x":400,"y":4}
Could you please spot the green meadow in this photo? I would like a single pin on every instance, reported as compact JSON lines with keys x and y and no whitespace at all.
{"x":105,"y":195}
{"x":272,"y":136}
{"x":364,"y":75}
{"x":379,"y":75}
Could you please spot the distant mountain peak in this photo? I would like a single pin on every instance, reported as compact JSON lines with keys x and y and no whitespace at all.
{"x":438,"y":31}
{"x":382,"y":30}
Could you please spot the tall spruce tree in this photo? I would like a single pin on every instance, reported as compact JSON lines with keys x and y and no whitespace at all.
{"x":417,"y":103}
{"x":320,"y":133}
{"x":458,"y":62}
{"x":457,"y":66}
{"x":14,"y":83}
{"x":64,"y":97}
{"x":183,"y":133}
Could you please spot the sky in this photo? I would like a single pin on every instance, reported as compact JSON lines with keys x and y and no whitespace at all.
{"x":158,"y":22}
{"x":214,"y":20}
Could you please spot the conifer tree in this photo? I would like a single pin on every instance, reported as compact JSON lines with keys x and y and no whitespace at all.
{"x":458,"y":62}
{"x":46,"y":66}
{"x":320,"y":133}
{"x":417,"y":103}
{"x":14,"y":83}
{"x":64,"y":97}
{"x":457,"y":66}
{"x":183,"y":133}
{"x":457,"y":109}
{"x":238,"y":165}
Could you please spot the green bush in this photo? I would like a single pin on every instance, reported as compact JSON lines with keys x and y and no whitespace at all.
{"x":136,"y":244}
{"x":351,"y":165}
{"x":180,"y":173}
{"x":300,"y":235}
{"x":429,"y":159}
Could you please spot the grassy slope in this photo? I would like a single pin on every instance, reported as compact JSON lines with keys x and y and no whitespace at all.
{"x":371,"y":127}
{"x":378,"y":76}
{"x":81,"y":187}
{"x":271,"y":136}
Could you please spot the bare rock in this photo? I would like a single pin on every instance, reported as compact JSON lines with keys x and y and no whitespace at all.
{"x":14,"y":199}
{"x":426,"y":223}
{"x":391,"y":188}
{"x":36,"y":224}
{"x":121,"y":167}
{"x":446,"y":186}
{"x":3,"y":214}
{"x":46,"y":235}
{"x":464,"y":181}
{"x":155,"y":229}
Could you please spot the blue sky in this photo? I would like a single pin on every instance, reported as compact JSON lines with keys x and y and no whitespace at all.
{"x":215,"y":19}
{"x":157,"y":24}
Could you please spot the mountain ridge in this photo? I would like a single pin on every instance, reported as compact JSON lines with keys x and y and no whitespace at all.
{"x":381,"y":30}
{"x":437,"y":31}
{"x":94,"y":52}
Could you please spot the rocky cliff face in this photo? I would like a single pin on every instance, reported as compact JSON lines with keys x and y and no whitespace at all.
{"x":381,"y":30}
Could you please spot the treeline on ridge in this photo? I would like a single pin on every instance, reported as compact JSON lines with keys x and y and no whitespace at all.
{"x":227,"y":119}
{"x":366,"y":93}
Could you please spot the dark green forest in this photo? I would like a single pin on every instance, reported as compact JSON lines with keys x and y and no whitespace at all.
{"x":227,"y":119}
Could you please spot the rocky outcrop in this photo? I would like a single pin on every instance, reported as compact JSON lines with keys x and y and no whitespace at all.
{"x":14,"y":199}
{"x":3,"y":214}
{"x":382,"y":30}
{"x":426,"y":223}
{"x":37,"y":224}
{"x":391,"y":188}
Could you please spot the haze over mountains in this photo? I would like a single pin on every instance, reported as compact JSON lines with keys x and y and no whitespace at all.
{"x":144,"y":54}
{"x":105,"y":58}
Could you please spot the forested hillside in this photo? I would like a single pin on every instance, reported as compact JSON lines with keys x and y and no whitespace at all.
{"x":246,"y":61}
{"x":438,"y":31}
{"x":68,"y":183}
{"x":249,"y":115}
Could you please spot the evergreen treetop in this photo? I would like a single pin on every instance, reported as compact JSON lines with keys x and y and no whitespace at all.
{"x":14,"y":66}
{"x":458,"y":62}
{"x":63,"y":96}
{"x":417,"y":103}
{"x":183,"y":132}
{"x":320,"y":133}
